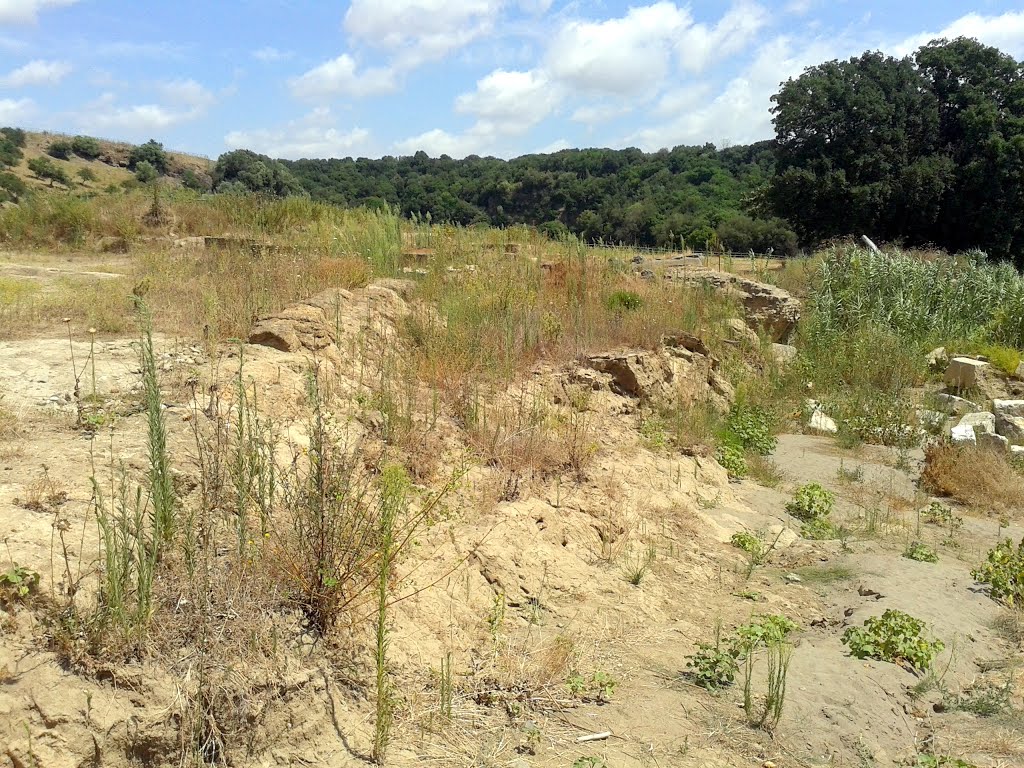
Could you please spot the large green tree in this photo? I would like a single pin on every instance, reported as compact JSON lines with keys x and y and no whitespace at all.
{"x":256,"y":173}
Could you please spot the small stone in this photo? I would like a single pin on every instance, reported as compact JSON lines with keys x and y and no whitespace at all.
{"x":956,"y":405}
{"x":792,"y":578}
{"x":963,"y":434}
{"x":1011,"y":427}
{"x":993,"y":442}
{"x":784,"y":353}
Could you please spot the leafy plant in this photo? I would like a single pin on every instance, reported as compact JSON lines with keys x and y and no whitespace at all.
{"x":752,"y":427}
{"x":748,"y":542}
{"x":732,"y":460}
{"x":589,"y":762}
{"x":1003,"y":571}
{"x":599,"y":687}
{"x":17,"y":583}
{"x":938,"y":513}
{"x":896,"y":637}
{"x":625,"y":301}
{"x":921,"y":552}
{"x":819,"y":529}
{"x":713,"y":666}
{"x":811,"y":502}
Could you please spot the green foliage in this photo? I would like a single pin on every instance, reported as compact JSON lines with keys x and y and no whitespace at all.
{"x":915,"y":149}
{"x":190,"y":180}
{"x":763,"y":631}
{"x":44,"y":168}
{"x":748,"y":542}
{"x":941,"y":761}
{"x":732,"y":460}
{"x":248,"y":171}
{"x":60,"y":149}
{"x":614,"y":196}
{"x":599,"y":687}
{"x":713,"y":666}
{"x":151,"y":152}
{"x":819,"y":529}
{"x":589,"y":762}
{"x":1003,"y":571}
{"x":86,"y":174}
{"x":752,"y":428}
{"x":624,"y":301}
{"x":86,"y":146}
{"x":16,"y":136}
{"x":896,"y":637}
{"x":17,"y":583}
{"x":811,"y":502}
{"x":938,"y":513}
{"x":921,"y":552}
{"x":11,"y":186}
{"x":145,"y":172}
{"x":1005,"y":359}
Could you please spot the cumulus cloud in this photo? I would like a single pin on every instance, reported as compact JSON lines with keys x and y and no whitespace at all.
{"x":27,"y":11}
{"x":1005,"y":32}
{"x":341,"y":77}
{"x":417,"y":31}
{"x":16,"y":111}
{"x":511,"y":101}
{"x":437,"y":142}
{"x":183,"y":101}
{"x":36,"y":73}
{"x":314,"y":135}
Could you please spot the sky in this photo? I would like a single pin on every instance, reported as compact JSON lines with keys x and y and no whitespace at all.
{"x":369,"y":78}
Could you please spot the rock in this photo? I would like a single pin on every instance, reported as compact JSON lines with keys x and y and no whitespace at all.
{"x":993,"y":442}
{"x":766,"y":307}
{"x":638,"y":374}
{"x":721,"y":386}
{"x":956,"y":405}
{"x":937,"y":359}
{"x":1019,"y":373}
{"x":982,"y":421}
{"x":819,"y":420}
{"x":964,"y":372}
{"x":963,"y":434}
{"x":740,"y":331}
{"x":1008,"y":407}
{"x":783,"y":353}
{"x":1010,"y":427}
{"x":793,"y":578}
{"x":1017,"y":450}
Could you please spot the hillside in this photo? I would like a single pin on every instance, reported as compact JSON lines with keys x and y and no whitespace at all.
{"x":110,"y":167}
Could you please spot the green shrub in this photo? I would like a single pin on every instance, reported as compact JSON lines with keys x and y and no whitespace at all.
{"x":86,"y":146}
{"x":819,"y":529}
{"x":151,"y":152}
{"x":748,"y":542}
{"x":86,"y":174}
{"x":896,"y":637}
{"x":752,"y":427}
{"x":17,"y":584}
{"x":60,"y":149}
{"x":732,"y":460}
{"x":624,"y":301}
{"x":1003,"y":571}
{"x":713,"y":666}
{"x":941,"y":761}
{"x":921,"y":552}
{"x":145,"y":172}
{"x":811,"y":502}
{"x":939,"y":514}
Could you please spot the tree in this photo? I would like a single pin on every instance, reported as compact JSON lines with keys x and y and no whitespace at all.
{"x":87,"y":147}
{"x":11,"y":187}
{"x":86,"y":174}
{"x":256,"y":173}
{"x":60,"y":149}
{"x":151,"y":152}
{"x":14,"y":135}
{"x":45,"y":168}
{"x":145,"y":172}
{"x":191,"y":180}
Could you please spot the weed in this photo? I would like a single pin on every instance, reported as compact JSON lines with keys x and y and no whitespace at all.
{"x":941,"y":761}
{"x":938,"y":513}
{"x":599,"y":687}
{"x":625,"y":301}
{"x":986,"y":700}
{"x":765,"y":471}
{"x":896,"y":637}
{"x":446,"y":686}
{"x":811,"y":502}
{"x":713,"y":666}
{"x":589,"y":762}
{"x":732,"y":460}
{"x":751,"y":427}
{"x":17,"y":584}
{"x":748,"y":542}
{"x":921,"y":552}
{"x":637,"y":567}
{"x":819,"y":529}
{"x":1003,"y":571}
{"x":827,"y":574}
{"x":972,"y":476}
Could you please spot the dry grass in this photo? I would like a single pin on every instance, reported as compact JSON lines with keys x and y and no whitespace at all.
{"x":972,"y":476}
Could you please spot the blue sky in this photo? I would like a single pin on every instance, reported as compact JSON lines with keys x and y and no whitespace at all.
{"x":388,"y":77}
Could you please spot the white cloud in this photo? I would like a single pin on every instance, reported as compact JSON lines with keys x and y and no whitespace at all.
{"x":313,"y":135}
{"x":555,"y":146}
{"x":623,"y":56}
{"x":600,"y":112}
{"x":15,"y":111}
{"x":740,"y":113}
{"x":36,"y":73}
{"x":187,"y":93}
{"x":27,"y":11}
{"x":438,"y":142}
{"x":512,"y":101}
{"x":417,"y":31}
{"x":106,"y":117}
{"x":699,"y":45}
{"x":269,"y":54}
{"x":1005,"y":32}
{"x":340,"y":77}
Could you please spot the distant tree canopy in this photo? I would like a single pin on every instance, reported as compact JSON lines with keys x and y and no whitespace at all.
{"x":44,"y":168}
{"x":689,"y":193}
{"x":11,"y":142}
{"x":242,"y":170}
{"x":61,"y":149}
{"x":926,"y":149}
{"x":151,"y":152}
{"x":86,"y":146}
